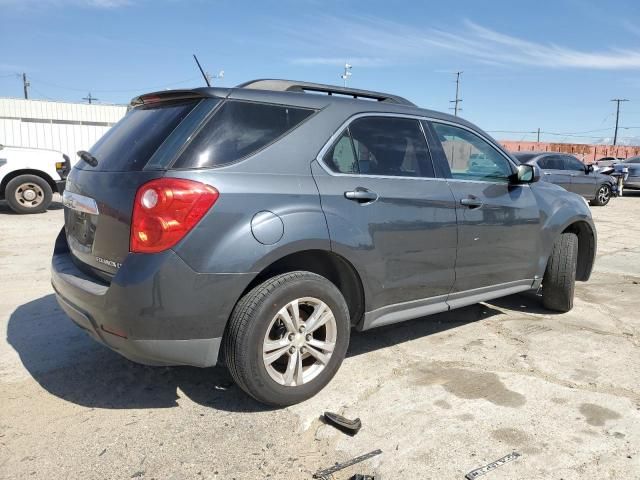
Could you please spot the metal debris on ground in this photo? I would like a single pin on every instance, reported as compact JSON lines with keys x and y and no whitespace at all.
{"x":491,"y":466}
{"x":223,"y":386}
{"x":350,"y":427}
{"x":327,"y":472}
{"x":359,"y":476}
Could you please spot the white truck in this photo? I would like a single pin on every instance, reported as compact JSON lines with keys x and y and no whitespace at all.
{"x":30,"y":176}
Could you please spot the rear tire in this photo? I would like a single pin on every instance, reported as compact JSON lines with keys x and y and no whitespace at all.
{"x":278,"y":359}
{"x":558,"y":283}
{"x":28,"y":194}
{"x":603,"y":195}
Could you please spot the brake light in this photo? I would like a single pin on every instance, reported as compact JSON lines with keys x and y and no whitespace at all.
{"x":165,"y":210}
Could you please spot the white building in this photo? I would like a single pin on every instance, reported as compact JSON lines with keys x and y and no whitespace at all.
{"x":63,"y":126}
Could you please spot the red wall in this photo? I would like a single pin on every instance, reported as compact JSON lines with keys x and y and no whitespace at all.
{"x":586,"y":153}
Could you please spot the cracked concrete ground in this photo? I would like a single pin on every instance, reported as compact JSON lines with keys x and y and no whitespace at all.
{"x":440,"y":396}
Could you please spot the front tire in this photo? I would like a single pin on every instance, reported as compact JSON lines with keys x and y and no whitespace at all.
{"x":287,"y":338}
{"x":558,"y":283}
{"x":28,"y":194}
{"x":603,"y":195}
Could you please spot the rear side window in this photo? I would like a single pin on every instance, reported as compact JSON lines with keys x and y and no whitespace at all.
{"x":386,"y":146}
{"x":572,"y":163}
{"x":238,"y":129}
{"x":131,"y":142}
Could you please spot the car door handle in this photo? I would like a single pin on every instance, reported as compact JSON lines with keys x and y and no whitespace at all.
{"x":547,"y":173}
{"x":471,"y":202}
{"x":361,"y":195}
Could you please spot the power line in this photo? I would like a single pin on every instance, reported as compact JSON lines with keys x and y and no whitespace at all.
{"x":617,"y":100}
{"x":90,"y":98}
{"x":25,"y":86}
{"x":457,"y":101}
{"x":50,"y":84}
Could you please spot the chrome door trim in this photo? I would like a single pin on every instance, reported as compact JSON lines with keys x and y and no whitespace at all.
{"x":419,"y":118}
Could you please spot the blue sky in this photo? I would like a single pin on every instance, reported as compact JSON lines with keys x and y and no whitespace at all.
{"x":553,"y":65}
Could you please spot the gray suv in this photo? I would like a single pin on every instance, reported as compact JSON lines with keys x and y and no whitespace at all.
{"x":256,"y":226}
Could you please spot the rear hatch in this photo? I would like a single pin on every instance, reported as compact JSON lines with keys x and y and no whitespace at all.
{"x":99,"y":196}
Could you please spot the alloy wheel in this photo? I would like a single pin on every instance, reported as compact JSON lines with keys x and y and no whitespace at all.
{"x":604,"y":193}
{"x":299,"y":341}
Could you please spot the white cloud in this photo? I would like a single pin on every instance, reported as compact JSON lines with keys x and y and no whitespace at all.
{"x":392,"y":42}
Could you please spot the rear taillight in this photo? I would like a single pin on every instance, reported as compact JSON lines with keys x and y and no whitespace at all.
{"x":165,"y":210}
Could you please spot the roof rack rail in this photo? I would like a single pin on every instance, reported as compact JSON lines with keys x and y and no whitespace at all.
{"x":295,"y":86}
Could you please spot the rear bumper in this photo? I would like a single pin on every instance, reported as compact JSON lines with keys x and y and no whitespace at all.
{"x":155,"y":311}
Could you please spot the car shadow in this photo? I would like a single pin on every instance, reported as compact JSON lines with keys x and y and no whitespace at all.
{"x":70,"y":365}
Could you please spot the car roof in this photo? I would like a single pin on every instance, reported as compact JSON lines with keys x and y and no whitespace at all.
{"x":310,"y":95}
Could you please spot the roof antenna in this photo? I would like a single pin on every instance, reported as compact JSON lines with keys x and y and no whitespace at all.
{"x":206,"y":79}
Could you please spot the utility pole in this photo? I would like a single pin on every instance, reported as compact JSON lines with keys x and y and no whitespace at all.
{"x":25,"y":86}
{"x":90,"y":98}
{"x":538,"y":134}
{"x":347,"y":73}
{"x":615,"y":134}
{"x":457,"y":101}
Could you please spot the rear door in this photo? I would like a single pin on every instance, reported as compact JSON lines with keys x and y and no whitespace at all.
{"x":99,"y":198}
{"x":386,"y":211}
{"x":582,"y":182}
{"x":498,"y":222}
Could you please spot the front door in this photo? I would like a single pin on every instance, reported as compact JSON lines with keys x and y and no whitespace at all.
{"x":386,"y":212}
{"x":582,"y":182}
{"x":498,"y":222}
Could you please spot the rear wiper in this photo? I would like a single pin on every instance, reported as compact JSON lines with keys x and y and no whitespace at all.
{"x":87,"y":157}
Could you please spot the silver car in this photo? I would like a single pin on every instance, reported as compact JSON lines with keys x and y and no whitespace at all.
{"x":573,"y":175}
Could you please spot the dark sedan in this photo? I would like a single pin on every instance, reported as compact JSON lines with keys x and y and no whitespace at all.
{"x":573,"y":175}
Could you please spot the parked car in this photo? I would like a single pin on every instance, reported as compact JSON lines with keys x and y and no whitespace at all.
{"x":573,"y":175}
{"x":608,"y":161}
{"x":256,"y":226}
{"x":30,"y":176}
{"x":632,"y":182}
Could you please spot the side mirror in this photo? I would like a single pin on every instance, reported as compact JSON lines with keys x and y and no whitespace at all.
{"x":526,"y":173}
{"x":589,"y":168}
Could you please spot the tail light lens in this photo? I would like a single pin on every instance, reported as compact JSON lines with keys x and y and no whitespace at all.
{"x":165,"y":210}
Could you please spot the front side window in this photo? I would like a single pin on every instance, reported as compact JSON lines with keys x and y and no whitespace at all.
{"x":238,"y":129}
{"x":383,"y":146}
{"x":470,"y":157}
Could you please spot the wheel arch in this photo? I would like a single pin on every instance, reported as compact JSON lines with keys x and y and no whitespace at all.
{"x":586,"y":247}
{"x":26,"y":171}
{"x":335,"y":268}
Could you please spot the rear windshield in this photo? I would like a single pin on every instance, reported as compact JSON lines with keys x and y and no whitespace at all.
{"x":238,"y":129}
{"x":131,"y":142}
